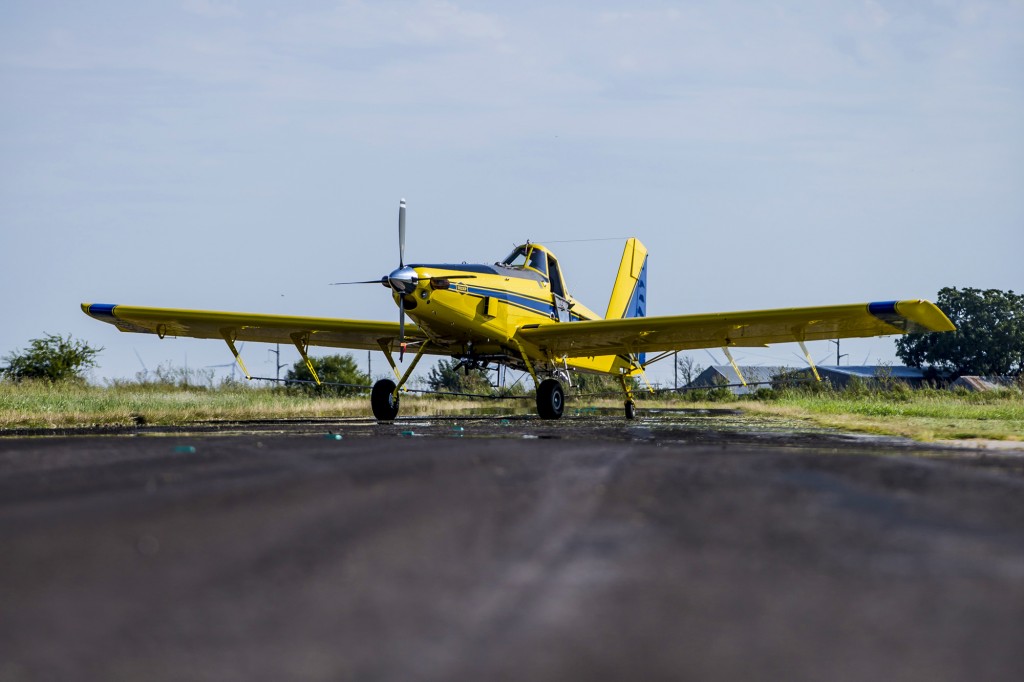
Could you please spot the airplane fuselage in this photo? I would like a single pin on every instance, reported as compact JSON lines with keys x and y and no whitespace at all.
{"x":475,"y":309}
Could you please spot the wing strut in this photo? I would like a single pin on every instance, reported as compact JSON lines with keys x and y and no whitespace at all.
{"x":301,"y":341}
{"x":229,"y":336}
{"x":526,"y":361}
{"x":635,"y":361}
{"x":810,"y":361}
{"x":408,"y":372}
{"x":386,"y":349}
{"x":735,"y":367}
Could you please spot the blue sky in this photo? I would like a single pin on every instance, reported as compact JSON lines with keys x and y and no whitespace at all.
{"x":241,"y":155}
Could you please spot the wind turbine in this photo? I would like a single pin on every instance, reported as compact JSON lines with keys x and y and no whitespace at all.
{"x":233,"y":365}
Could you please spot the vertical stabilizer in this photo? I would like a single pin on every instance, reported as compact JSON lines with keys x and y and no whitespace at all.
{"x":629,"y":294}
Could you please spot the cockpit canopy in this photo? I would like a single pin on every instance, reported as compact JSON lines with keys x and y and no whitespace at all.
{"x":537,"y":258}
{"x":530,"y":256}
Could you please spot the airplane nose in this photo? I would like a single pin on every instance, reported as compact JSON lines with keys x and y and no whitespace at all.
{"x":403,"y":280}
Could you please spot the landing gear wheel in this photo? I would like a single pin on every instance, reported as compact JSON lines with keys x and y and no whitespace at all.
{"x":550,"y":399}
{"x":383,"y":401}
{"x":630,"y":409}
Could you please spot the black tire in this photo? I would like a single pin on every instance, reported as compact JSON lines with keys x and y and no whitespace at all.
{"x":382,"y":402}
{"x":550,"y":399}
{"x":630,"y":409}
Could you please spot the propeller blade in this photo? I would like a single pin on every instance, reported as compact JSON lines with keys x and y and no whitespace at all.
{"x":401,"y":234}
{"x":365,"y":281}
{"x":401,"y":323}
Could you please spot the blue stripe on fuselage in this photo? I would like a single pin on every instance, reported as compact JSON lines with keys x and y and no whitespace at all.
{"x":534,"y":304}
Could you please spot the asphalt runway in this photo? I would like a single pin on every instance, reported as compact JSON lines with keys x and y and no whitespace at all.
{"x":676,"y":547}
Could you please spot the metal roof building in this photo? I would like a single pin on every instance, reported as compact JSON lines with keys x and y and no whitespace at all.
{"x":975,"y":383}
{"x":840,"y":376}
{"x":761,"y":376}
{"x":724,"y":375}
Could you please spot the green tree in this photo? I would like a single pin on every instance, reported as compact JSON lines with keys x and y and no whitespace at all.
{"x":51,"y":358}
{"x":989,"y":339}
{"x":444,"y":377}
{"x":332,"y":369}
{"x":601,"y":384}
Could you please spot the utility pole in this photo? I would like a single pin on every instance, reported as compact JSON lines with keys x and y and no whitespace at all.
{"x":278,"y":365}
{"x":838,"y":356}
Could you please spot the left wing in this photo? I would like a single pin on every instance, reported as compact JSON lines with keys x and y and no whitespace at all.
{"x":749,"y":328}
{"x":212,"y":324}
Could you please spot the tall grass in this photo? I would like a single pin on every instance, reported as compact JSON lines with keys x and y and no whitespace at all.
{"x":926,"y":414}
{"x":923,"y":414}
{"x":53,"y":405}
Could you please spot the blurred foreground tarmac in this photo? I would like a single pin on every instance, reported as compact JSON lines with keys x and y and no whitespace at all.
{"x":507,"y":549}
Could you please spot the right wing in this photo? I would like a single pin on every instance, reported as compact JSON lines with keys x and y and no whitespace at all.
{"x":211,"y":324}
{"x":751,"y":328}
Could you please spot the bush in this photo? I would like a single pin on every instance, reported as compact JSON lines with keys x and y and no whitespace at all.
{"x":603,"y":385}
{"x":339,"y":373}
{"x":446,"y":377}
{"x":51,"y":358}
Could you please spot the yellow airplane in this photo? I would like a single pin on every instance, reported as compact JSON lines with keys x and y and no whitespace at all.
{"x":518,"y":312}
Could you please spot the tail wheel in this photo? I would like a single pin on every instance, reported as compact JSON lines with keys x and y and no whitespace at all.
{"x":383,"y":400}
{"x":630,"y":409}
{"x":550,"y":399}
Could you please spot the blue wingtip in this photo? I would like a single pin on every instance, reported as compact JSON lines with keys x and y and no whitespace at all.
{"x":879,"y":308}
{"x":102,"y":311}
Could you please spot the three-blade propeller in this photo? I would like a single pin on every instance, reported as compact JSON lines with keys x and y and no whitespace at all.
{"x":404,"y":280}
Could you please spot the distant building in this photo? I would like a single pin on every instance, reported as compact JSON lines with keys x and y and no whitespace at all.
{"x":973,"y":383}
{"x":724,"y":375}
{"x":840,"y":376}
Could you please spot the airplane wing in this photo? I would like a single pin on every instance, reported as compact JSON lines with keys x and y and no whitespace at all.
{"x":750,"y":328}
{"x":210,"y":324}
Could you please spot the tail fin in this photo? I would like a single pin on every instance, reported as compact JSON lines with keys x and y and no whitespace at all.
{"x":629,"y":294}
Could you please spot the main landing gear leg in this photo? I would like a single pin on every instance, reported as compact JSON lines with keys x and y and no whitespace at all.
{"x":550,"y":394}
{"x":630,"y":404}
{"x":384,"y":396}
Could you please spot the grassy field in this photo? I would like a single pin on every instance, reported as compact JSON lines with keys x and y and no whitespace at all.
{"x":42,"y":405}
{"x":925,"y":415}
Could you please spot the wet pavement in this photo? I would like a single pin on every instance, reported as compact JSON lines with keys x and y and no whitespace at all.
{"x":684,"y":545}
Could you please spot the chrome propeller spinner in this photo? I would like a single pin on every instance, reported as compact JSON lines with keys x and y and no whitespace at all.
{"x":403,"y":280}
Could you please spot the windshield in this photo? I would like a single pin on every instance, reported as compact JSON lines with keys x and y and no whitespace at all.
{"x":516,"y":259}
{"x":526,"y":256}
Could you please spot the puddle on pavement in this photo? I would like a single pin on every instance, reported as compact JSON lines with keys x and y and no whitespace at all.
{"x":655,"y":425}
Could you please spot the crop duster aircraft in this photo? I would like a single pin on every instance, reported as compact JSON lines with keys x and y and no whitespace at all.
{"x":519,"y":313}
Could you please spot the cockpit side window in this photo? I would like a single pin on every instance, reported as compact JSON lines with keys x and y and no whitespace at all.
{"x":557,"y":285}
{"x":539,"y":261}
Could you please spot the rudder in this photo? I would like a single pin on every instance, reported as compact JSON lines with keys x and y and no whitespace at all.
{"x":629,"y":293}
